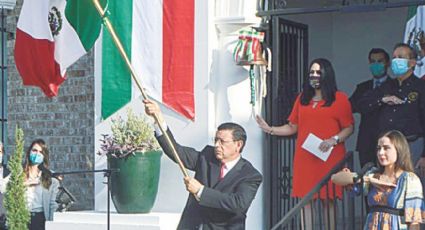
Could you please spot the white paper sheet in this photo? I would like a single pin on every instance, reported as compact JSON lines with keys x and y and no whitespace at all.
{"x":312,"y":143}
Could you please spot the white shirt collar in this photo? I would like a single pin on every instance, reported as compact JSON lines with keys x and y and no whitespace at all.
{"x":381,"y":79}
{"x":231,"y":164}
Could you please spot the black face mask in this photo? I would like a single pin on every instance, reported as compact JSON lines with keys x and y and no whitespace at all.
{"x":314,"y":82}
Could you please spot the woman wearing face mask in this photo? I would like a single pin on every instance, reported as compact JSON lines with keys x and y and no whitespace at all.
{"x":324,"y":111}
{"x":400,"y":104}
{"x":42,"y":189}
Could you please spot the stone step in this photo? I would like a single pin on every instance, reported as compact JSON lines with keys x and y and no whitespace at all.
{"x":91,"y":220}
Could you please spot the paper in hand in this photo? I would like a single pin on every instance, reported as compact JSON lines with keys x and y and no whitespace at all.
{"x":312,"y":143}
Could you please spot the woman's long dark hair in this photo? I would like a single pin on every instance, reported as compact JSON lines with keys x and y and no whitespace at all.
{"x":327,"y":83}
{"x":46,"y":180}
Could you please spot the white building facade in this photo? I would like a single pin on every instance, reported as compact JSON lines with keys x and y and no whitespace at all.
{"x":222,"y":94}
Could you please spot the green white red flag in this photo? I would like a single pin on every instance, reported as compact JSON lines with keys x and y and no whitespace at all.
{"x":50,"y":36}
{"x":414,"y":35}
{"x":158,"y":36}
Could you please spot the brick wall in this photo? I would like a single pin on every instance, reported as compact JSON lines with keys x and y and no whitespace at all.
{"x":65,"y":122}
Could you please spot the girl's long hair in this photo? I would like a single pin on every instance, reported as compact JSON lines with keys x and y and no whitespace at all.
{"x":46,"y":180}
{"x":401,"y":145}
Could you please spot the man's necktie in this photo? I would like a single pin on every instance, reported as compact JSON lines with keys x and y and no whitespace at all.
{"x":377,"y":84}
{"x":222,"y":168}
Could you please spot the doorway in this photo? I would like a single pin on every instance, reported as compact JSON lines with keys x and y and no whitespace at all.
{"x":289,"y":43}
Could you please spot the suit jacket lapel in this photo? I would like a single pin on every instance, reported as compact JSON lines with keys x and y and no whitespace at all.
{"x":370,"y":85}
{"x":234,"y":172}
{"x":215,"y":173}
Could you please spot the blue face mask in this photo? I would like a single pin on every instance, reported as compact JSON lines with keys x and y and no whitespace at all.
{"x":400,"y":66}
{"x":36,"y":158}
{"x":377,"y":69}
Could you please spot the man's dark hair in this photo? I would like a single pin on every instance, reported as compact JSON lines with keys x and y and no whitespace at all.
{"x":238,"y":132}
{"x":379,"y":51}
{"x":327,"y":83}
{"x":413,"y":53}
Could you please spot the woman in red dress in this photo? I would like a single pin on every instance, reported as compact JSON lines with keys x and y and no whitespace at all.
{"x":322,"y":110}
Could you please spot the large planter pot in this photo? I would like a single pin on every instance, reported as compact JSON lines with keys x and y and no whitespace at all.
{"x":135,"y":185}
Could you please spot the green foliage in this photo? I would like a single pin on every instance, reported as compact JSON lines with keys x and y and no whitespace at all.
{"x":18,"y":215}
{"x":129,"y":136}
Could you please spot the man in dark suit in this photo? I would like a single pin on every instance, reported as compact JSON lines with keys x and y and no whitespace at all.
{"x":366,"y":140}
{"x":224,"y":183}
{"x":401,"y":104}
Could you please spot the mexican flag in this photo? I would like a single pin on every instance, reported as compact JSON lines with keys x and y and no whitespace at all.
{"x":414,"y":35}
{"x":50,"y":36}
{"x":158,"y":36}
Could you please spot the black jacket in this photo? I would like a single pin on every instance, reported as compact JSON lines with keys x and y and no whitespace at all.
{"x":409,"y":117}
{"x":367,"y":135}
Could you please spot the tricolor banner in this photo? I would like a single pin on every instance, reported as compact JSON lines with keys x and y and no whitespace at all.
{"x":414,"y":35}
{"x":50,"y":36}
{"x":158,"y":35}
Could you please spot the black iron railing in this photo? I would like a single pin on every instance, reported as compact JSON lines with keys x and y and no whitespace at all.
{"x":278,"y":7}
{"x":311,"y":213}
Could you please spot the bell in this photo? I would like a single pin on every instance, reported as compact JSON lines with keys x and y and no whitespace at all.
{"x":259,"y":57}
{"x":249,"y":51}
{"x":256,"y":59}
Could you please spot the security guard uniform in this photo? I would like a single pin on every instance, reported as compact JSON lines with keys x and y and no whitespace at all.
{"x":409,"y":117}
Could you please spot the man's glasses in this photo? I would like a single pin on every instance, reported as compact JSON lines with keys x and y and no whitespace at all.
{"x":220,"y":141}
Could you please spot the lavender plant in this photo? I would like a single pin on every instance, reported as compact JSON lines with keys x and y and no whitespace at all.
{"x":128,"y":137}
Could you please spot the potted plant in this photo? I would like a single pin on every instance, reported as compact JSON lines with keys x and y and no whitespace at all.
{"x":134,"y":152}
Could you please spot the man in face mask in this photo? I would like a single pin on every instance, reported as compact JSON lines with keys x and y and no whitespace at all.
{"x":379,"y":62}
{"x":401,"y":104}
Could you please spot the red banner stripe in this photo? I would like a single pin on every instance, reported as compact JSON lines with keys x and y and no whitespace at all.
{"x":178,"y":56}
{"x":36,"y":63}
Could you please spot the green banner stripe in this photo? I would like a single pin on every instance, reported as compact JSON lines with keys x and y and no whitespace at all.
{"x":116,"y":79}
{"x":411,"y":12}
{"x":84,"y":18}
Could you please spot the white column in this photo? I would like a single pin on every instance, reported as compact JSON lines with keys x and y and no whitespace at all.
{"x":231,"y":89}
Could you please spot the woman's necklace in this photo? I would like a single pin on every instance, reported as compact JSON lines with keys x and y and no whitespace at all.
{"x":33,"y":176}
{"x":316,"y":100}
{"x":391,"y":177}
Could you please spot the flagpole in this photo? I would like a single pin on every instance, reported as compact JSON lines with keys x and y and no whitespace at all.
{"x":121,"y":50}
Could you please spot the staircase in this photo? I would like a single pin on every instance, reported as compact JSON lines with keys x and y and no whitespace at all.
{"x":91,"y":220}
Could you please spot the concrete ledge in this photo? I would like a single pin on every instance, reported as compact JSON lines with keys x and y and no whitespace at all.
{"x":91,"y":220}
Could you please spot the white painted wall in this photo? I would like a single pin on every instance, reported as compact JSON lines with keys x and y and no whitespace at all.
{"x":171,"y":192}
{"x":230,"y":88}
{"x":221,"y":94}
{"x":222,"y":88}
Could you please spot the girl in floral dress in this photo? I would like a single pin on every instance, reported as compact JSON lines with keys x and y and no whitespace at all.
{"x":394,"y":192}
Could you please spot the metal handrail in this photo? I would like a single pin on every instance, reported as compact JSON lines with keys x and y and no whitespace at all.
{"x":297,"y":208}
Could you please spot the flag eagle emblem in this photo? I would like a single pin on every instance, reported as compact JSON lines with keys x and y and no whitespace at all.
{"x":55,"y":21}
